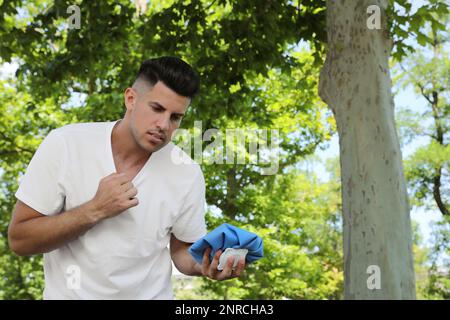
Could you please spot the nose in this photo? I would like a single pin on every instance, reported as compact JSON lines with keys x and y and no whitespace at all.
{"x":163,"y":122}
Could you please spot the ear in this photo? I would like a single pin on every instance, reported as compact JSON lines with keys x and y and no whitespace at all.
{"x":130,"y":97}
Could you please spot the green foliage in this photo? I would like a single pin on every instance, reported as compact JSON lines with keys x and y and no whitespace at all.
{"x":439,"y":273}
{"x":420,"y":170}
{"x":428,"y":75}
{"x":427,"y":169}
{"x":253,"y":76}
{"x":405,"y":24}
{"x":420,"y":263}
{"x":432,"y":265}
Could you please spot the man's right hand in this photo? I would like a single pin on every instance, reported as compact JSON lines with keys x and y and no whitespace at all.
{"x":115,"y":194}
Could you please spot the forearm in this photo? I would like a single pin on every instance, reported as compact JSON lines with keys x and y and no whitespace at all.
{"x":44,"y":234}
{"x":185,"y":263}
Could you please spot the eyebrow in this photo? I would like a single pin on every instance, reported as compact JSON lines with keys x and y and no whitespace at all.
{"x":162,"y":107}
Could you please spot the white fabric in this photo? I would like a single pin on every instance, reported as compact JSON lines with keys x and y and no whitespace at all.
{"x":127,"y":256}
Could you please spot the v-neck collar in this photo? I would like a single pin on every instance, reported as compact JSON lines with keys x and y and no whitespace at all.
{"x":111,"y":154}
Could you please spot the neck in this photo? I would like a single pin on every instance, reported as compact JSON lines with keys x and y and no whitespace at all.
{"x":124,"y":145}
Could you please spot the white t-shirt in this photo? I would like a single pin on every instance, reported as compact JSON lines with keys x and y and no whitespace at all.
{"x":127,"y":256}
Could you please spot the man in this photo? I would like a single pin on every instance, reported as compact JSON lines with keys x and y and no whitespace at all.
{"x":102,"y":201}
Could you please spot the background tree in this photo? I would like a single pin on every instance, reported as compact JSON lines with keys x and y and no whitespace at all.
{"x":426,"y":168}
{"x":439,"y":272}
{"x":356,"y":84}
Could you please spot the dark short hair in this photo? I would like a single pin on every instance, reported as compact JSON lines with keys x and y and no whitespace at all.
{"x":173,"y":72}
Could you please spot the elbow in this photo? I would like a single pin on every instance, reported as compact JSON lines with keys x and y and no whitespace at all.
{"x":24,"y":250}
{"x":20,"y":249}
{"x":17,"y":246}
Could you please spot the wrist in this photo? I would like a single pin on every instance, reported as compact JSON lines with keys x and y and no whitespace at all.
{"x":197,"y":269}
{"x":92,"y":212}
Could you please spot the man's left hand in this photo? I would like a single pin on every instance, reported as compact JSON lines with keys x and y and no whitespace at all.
{"x":209,"y":269}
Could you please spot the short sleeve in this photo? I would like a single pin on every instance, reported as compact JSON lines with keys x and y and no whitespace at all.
{"x":41,"y":187}
{"x":190,"y":225}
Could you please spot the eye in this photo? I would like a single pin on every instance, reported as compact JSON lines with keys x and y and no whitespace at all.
{"x":157,"y":109}
{"x":176,"y":118}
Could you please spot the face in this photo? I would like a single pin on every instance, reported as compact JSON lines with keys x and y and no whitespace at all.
{"x":153,"y":113}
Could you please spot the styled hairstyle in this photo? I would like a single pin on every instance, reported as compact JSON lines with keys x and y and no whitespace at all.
{"x":173,"y":72}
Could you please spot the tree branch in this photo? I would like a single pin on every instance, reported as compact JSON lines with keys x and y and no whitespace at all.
{"x":437,"y":193}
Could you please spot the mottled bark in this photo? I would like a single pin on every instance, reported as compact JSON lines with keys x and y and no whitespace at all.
{"x":356,"y":84}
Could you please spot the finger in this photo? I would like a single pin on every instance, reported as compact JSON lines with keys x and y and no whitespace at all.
{"x":127,"y":186}
{"x":133,"y":202}
{"x":131,"y":193}
{"x":226,"y":272}
{"x":213,"y":267}
{"x":205,"y":261}
{"x":240,"y":267}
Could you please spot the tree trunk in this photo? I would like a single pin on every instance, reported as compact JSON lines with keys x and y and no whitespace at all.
{"x":356,"y":84}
